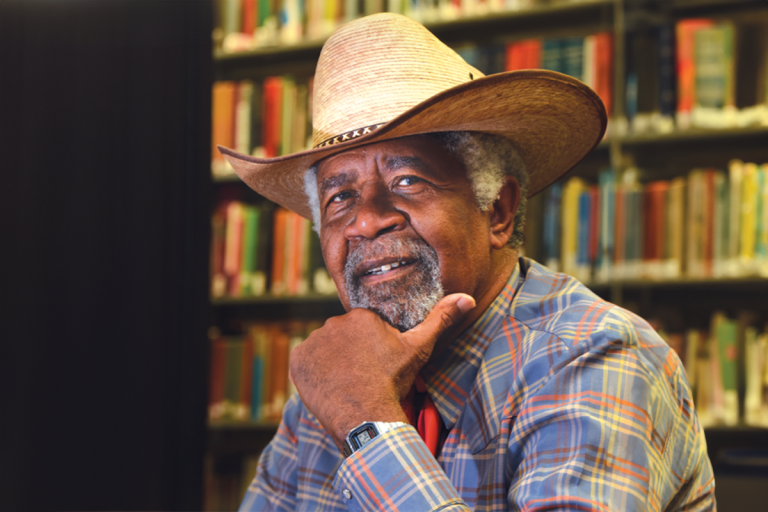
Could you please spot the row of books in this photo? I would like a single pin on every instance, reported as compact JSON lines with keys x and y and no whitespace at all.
{"x":265,"y":119}
{"x":274,"y":117}
{"x":248,"y":24}
{"x":249,"y":372}
{"x":696,"y":73}
{"x":713,"y":358}
{"x":259,"y":249}
{"x":708,"y":224}
{"x":589,"y":58}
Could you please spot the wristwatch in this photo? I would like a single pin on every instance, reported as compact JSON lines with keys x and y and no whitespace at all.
{"x":365,"y":433}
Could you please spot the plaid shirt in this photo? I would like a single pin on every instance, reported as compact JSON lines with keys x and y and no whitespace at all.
{"x":554,"y":400}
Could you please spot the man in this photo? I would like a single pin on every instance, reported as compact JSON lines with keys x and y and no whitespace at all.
{"x":461,"y":376}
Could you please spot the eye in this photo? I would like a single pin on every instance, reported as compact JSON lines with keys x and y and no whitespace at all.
{"x":406,"y":181}
{"x":340,"y":197}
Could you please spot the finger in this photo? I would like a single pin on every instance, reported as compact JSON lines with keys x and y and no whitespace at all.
{"x":449,"y":311}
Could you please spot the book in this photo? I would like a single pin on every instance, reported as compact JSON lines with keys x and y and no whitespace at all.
{"x":552,"y":224}
{"x":727,"y":351}
{"x":748,"y":220}
{"x":685,"y":34}
{"x":218,"y":247}
{"x":551,"y":54}
{"x":216,"y":379}
{"x":667,"y":77}
{"x":570,"y":225}
{"x":756,"y":377}
{"x":603,"y":69}
{"x":605,"y":253}
{"x":675,"y":228}
{"x":279,"y":286}
{"x":223,"y":120}
{"x":271,"y":122}
{"x":524,"y":54}
{"x":655,"y":228}
{"x":733,"y":252}
{"x":714,"y":101}
{"x":249,"y":283}
{"x":233,"y":247}
{"x":694,"y":265}
{"x":244,"y":107}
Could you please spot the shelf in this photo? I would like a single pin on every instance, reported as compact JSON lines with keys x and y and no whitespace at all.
{"x":693,"y":8}
{"x":736,"y":282}
{"x":251,"y":426}
{"x":238,"y":437}
{"x":277,"y":299}
{"x":560,"y":18}
{"x":758,"y":133}
{"x":226,"y":438}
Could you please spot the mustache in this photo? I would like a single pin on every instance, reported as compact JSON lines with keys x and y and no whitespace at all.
{"x":385,"y":246}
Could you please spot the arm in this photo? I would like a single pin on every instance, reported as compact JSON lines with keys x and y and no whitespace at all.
{"x":609,"y":431}
{"x":357,"y":368}
{"x":396,"y":472}
{"x":274,"y":486}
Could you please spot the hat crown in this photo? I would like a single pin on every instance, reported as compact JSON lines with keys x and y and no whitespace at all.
{"x":376,"y":68}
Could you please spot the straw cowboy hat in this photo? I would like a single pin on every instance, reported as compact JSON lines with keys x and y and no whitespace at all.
{"x":386,"y":76}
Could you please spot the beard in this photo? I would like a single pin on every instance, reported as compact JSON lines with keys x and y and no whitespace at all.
{"x":403,"y":302}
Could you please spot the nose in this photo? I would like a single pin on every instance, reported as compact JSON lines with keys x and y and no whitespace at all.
{"x":375,"y":215}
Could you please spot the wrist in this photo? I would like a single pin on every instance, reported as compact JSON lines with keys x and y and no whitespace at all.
{"x":366,"y":433}
{"x":350,"y":421}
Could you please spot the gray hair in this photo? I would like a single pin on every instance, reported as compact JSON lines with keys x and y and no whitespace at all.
{"x":487,"y":159}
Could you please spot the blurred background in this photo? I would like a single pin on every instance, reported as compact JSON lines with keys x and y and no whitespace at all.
{"x":150,"y":300}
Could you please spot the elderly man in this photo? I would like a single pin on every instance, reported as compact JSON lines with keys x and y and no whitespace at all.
{"x":462,"y":376}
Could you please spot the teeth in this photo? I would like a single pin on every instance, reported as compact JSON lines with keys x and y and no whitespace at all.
{"x":385,"y":268}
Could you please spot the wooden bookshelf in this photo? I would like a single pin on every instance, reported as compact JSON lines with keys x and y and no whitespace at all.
{"x":666,"y":155}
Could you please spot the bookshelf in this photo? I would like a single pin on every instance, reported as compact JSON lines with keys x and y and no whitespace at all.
{"x":636,"y":140}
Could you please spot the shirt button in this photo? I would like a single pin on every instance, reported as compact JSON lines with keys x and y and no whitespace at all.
{"x":347,"y":494}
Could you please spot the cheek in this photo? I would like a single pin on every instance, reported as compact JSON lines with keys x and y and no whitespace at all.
{"x":462,"y":248}
{"x":335,"y":256}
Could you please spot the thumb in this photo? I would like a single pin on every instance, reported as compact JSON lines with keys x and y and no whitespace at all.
{"x":447,"y":312}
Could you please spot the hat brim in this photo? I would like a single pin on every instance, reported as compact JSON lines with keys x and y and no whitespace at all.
{"x":553,"y":119}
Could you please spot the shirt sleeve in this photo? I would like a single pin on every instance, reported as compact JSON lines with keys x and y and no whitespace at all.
{"x":608,"y":431}
{"x":396,"y":472}
{"x":275,"y":484}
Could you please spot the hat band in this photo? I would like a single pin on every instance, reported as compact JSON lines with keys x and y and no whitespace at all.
{"x":352,"y":134}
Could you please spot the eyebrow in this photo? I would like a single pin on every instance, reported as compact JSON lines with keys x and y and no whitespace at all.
{"x":334,"y":181}
{"x":400,"y":162}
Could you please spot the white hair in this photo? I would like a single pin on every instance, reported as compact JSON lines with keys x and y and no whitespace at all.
{"x":487,"y":159}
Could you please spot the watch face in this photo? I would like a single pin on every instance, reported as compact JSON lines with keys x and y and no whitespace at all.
{"x":364,"y":435}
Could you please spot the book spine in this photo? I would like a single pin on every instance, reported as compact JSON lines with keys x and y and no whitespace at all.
{"x":685,"y":32}
{"x":233,"y":247}
{"x":271,"y":128}
{"x":666,"y":68}
{"x":222,"y":132}
{"x":279,"y":285}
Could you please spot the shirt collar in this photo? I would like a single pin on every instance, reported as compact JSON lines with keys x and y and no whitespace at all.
{"x":450,"y":376}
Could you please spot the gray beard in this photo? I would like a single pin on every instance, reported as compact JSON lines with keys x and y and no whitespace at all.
{"x":403,"y":303}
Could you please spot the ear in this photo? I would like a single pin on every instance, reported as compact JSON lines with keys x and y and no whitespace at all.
{"x":502,"y":215}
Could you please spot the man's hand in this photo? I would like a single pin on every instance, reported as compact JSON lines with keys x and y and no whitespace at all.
{"x":357,"y":367}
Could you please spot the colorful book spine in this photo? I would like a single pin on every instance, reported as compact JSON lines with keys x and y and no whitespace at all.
{"x":707,"y":224}
{"x":685,"y":35}
{"x":223,"y":118}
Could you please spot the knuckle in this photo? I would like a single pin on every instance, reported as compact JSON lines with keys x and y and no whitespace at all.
{"x":448,"y":317}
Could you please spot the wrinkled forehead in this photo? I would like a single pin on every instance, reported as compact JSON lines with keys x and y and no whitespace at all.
{"x":419,"y":152}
